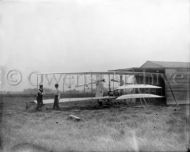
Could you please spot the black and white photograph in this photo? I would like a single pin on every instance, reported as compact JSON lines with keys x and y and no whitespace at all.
{"x":94,"y":75}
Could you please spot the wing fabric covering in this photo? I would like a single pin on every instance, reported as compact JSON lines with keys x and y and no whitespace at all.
{"x":130,"y":96}
{"x":49,"y":101}
{"x":131,"y":86}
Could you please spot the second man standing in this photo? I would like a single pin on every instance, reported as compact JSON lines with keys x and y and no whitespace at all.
{"x":56,"y":97}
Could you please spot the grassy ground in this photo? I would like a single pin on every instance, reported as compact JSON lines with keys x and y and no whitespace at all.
{"x":109,"y":128}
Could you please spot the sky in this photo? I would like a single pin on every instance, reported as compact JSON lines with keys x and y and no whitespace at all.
{"x":92,"y":35}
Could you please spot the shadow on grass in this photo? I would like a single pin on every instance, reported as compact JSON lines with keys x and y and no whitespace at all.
{"x":71,"y":108}
{"x":93,"y":106}
{"x":28,"y":147}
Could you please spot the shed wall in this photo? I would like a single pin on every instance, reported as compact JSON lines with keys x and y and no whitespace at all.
{"x":178,"y":80}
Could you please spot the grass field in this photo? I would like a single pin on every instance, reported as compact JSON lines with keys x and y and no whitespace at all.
{"x":117,"y":127}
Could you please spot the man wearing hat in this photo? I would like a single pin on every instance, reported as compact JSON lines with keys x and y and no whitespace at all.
{"x":56,"y":97}
{"x":39,"y":98}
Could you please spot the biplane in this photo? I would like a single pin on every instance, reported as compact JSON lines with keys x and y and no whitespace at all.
{"x":98,"y":86}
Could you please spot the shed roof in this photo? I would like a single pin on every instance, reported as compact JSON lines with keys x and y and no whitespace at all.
{"x":165,"y":64}
{"x":157,"y":65}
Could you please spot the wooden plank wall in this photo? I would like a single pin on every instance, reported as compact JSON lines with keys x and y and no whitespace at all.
{"x":178,"y":79}
{"x":154,"y":79}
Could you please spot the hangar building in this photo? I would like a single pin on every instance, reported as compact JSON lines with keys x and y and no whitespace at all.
{"x":173,"y":77}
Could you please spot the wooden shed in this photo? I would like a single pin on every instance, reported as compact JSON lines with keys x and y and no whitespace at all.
{"x":177,"y":79}
{"x":173,"y":77}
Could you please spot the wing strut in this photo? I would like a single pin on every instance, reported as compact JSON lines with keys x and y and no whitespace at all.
{"x":142,"y":98}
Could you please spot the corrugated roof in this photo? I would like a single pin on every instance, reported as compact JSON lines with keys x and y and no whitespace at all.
{"x":165,"y":64}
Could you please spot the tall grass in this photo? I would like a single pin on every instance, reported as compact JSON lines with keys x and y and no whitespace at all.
{"x":114,"y":128}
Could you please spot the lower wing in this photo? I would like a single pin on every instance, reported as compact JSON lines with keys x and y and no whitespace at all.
{"x":129,"y":96}
{"x":49,"y":101}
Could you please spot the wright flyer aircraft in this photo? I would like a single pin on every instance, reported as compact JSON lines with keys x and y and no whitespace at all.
{"x":99,"y":86}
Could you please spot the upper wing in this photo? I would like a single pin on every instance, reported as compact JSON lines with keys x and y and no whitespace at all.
{"x":131,"y":86}
{"x":129,"y":96}
{"x":49,"y":101}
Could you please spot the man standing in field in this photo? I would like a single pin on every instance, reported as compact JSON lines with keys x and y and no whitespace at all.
{"x":39,"y":98}
{"x":56,"y":97}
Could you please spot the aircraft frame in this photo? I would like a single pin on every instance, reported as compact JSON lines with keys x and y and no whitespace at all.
{"x":115,"y":83}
